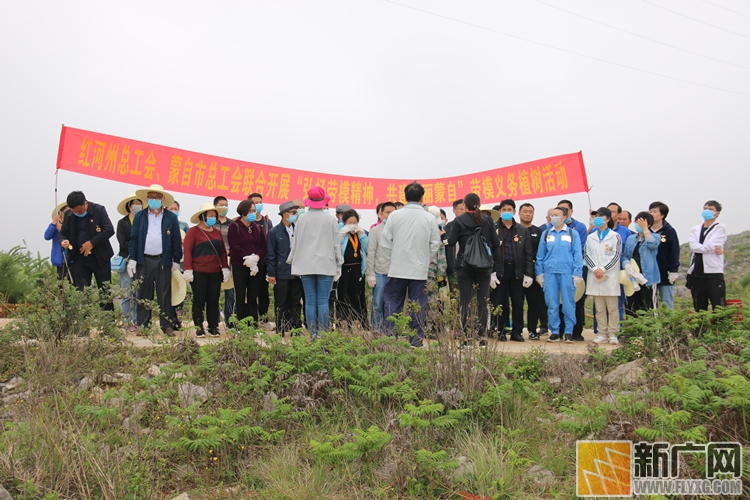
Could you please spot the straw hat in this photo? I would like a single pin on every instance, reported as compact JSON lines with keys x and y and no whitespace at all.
{"x":179,"y":288}
{"x":627,"y":285}
{"x":142,"y":194}
{"x":580,"y":290}
{"x":58,"y":208}
{"x":495,"y":214}
{"x":205,"y":207}
{"x":122,"y":207}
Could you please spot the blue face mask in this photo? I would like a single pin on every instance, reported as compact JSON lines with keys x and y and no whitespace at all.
{"x":251,"y":217}
{"x":223,"y":210}
{"x":210,"y":221}
{"x":154,"y":204}
{"x":506,"y":216}
{"x":81,"y":215}
{"x":341,"y":224}
{"x":708,"y":214}
{"x":567,"y":221}
{"x":176,"y":214}
{"x":300,"y":211}
{"x":259,"y":207}
{"x":638,"y":229}
{"x":598,"y":222}
{"x":292,"y":219}
{"x":326,"y":210}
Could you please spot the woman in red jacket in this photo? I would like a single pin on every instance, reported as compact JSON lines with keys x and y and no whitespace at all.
{"x":247,"y":248}
{"x":205,"y":268}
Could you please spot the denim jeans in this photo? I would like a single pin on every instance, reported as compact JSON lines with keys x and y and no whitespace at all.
{"x":128,"y":304}
{"x":317,"y":291}
{"x":377,"y":302}
{"x":666,"y":294}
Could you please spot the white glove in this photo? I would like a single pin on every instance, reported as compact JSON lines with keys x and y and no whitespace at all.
{"x":577,"y":280}
{"x":188,"y":275}
{"x":640,"y":278}
{"x":254,"y":271}
{"x":360,"y":231}
{"x":251,"y":260}
{"x":224,"y":274}
{"x":337,"y":275}
{"x":540,"y":280}
{"x":344,"y":231}
{"x":527,"y":281}
{"x":372,"y":281}
{"x":629,"y":269}
{"x":131,"y":267}
{"x":494,"y":281}
{"x":672,"y":278}
{"x":175,"y":266}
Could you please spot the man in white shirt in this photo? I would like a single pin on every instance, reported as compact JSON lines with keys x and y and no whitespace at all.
{"x":410,"y":240}
{"x":706,"y":273}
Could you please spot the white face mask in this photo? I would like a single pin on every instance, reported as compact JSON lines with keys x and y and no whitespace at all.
{"x":351,"y":227}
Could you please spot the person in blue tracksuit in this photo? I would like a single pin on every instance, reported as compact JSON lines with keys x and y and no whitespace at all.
{"x":559,"y":268}
{"x":642,"y":247}
{"x":583,"y":233}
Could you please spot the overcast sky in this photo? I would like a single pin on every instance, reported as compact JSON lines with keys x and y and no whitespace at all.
{"x":373,"y":88}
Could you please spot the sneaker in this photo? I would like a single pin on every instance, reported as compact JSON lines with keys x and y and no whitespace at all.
{"x":554,"y":338}
{"x":200,"y":334}
{"x":543,"y":331}
{"x":601,"y":339}
{"x":533,"y":336}
{"x":516,"y":337}
{"x":568,"y":338}
{"x":577,"y":337}
{"x":483,"y":343}
{"x":613,"y":339}
{"x":214,"y":332}
{"x":467,"y":344}
{"x":502,"y":337}
{"x":169,"y":331}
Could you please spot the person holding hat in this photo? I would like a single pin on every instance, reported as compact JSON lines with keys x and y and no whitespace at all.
{"x":155,"y":249}
{"x":641,"y":249}
{"x":128,"y":207}
{"x":601,"y":255}
{"x":247,"y":249}
{"x":316,"y":258}
{"x":86,"y":235}
{"x":205,"y":267}
{"x":287,"y":288}
{"x":559,"y":269}
{"x":59,"y":255}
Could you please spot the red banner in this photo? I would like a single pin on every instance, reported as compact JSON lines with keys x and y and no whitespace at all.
{"x":178,"y":170}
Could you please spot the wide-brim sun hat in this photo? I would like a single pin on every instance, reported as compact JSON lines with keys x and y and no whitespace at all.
{"x":580,"y":290}
{"x":317,"y":197}
{"x":627,"y":285}
{"x":142,"y":194}
{"x":495,"y":214}
{"x":179,"y":288}
{"x":122,"y":207}
{"x":205,"y":207}
{"x":58,"y":208}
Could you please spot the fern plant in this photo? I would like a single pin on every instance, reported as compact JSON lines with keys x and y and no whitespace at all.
{"x":585,"y":420}
{"x":364,"y":444}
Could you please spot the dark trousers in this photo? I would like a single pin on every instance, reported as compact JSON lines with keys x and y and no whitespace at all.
{"x":155,"y":278}
{"x":350,"y":294}
{"x":642,"y":300}
{"x":264,"y":297}
{"x":287,"y":295}
{"x":511,"y":288}
{"x":246,"y":292}
{"x":85,"y":268}
{"x":206,"y":288}
{"x":536,"y":313}
{"x":708,"y":288}
{"x":394,"y":296}
{"x":477,"y":322}
{"x":580,"y":318}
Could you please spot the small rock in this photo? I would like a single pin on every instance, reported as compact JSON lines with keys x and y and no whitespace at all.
{"x":465,"y":466}
{"x":14,"y":382}
{"x":181,"y":471}
{"x":191,"y":394}
{"x":269,"y":402}
{"x":629,"y":373}
{"x":183,"y":496}
{"x":554,"y":381}
{"x":154,"y":370}
{"x":124,"y":376}
{"x":8,"y":400}
{"x":108,"y":379}
{"x":541,"y":476}
{"x":86,"y":383}
{"x":4,"y":495}
{"x":130,"y":424}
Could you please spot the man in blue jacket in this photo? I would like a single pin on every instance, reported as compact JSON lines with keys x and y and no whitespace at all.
{"x":668,"y":256}
{"x":559,"y":268}
{"x":583,"y":233}
{"x":155,"y":249}
{"x":287,"y":289}
{"x":85,"y":232}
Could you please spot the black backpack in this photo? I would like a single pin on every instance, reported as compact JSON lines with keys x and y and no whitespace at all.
{"x":477,"y":253}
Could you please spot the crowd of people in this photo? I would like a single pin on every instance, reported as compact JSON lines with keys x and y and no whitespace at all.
{"x":320,"y":263}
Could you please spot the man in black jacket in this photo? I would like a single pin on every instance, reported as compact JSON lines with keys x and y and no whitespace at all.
{"x":287,"y":290}
{"x":536,"y":313}
{"x":85,"y":234}
{"x":450,"y":250}
{"x":515,"y":272}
